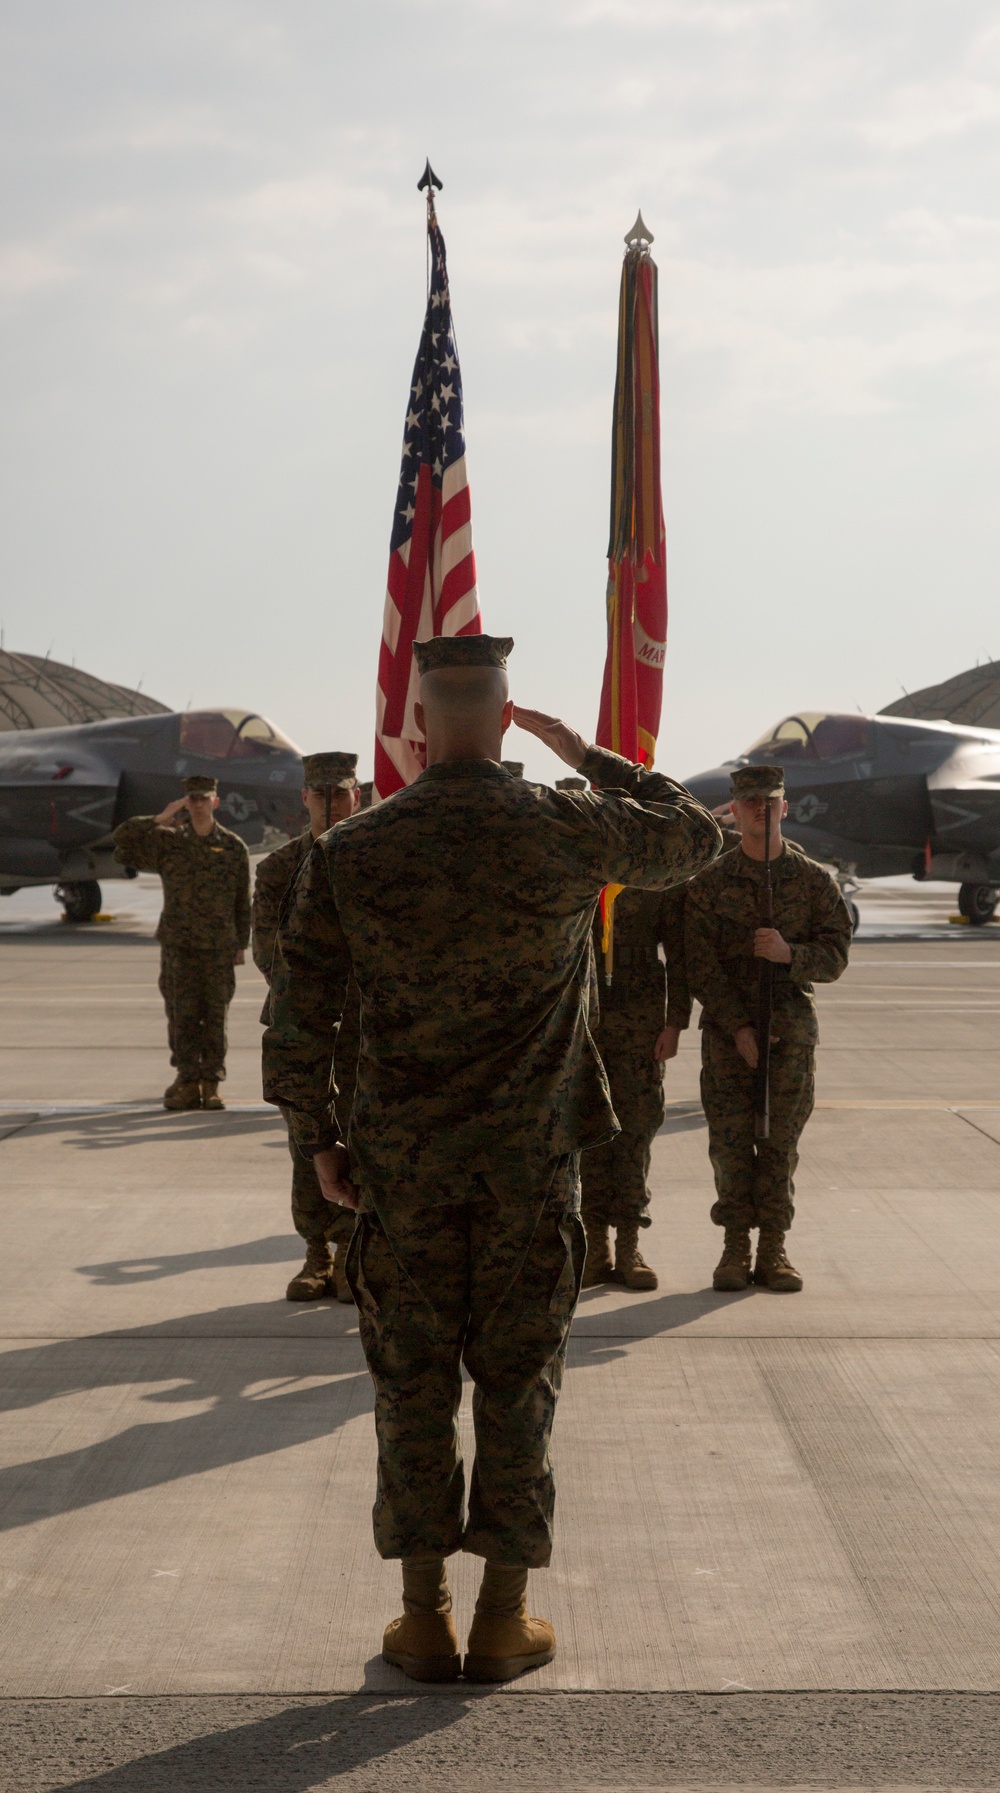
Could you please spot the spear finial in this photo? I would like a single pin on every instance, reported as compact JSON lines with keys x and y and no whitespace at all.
{"x":429,"y":180}
{"x":640,"y":232}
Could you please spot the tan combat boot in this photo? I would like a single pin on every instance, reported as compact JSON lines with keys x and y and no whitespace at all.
{"x":313,"y":1280}
{"x":630,"y":1265}
{"x":504,"y":1640}
{"x":732,"y":1271}
{"x":772,"y":1268}
{"x":423,"y":1642}
{"x":341,"y":1286}
{"x":182,"y":1095}
{"x":210,"y":1097}
{"x":598,"y":1267}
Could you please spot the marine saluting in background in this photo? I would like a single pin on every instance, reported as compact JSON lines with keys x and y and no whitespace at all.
{"x":203,"y":932}
{"x":464,"y":905}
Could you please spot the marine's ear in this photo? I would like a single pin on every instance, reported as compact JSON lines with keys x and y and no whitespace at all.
{"x":508,"y":715}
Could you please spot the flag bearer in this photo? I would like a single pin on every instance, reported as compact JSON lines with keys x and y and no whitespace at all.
{"x":331,"y":793}
{"x":464,"y":906}
{"x":203,"y":933}
{"x":724,"y":943}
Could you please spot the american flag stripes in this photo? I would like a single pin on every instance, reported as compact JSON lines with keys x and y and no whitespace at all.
{"x":431,"y":587}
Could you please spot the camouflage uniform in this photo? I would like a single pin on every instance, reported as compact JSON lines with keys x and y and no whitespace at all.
{"x":313,"y":1217}
{"x":205,"y":921}
{"x":753,"y":1178}
{"x":465,"y":904}
{"x":642,"y":1000}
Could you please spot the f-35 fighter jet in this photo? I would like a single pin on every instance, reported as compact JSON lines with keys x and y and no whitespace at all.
{"x":63,"y":790}
{"x":876,"y":796}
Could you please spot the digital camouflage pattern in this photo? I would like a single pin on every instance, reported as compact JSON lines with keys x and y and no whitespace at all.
{"x":483,"y":1270}
{"x":205,"y":920}
{"x":206,"y":882}
{"x":754,"y":1179}
{"x":465,"y":904}
{"x":197,"y":987}
{"x":313,"y":1217}
{"x":643,"y":998}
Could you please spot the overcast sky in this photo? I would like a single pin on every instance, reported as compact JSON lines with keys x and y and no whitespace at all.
{"x":211,"y":289}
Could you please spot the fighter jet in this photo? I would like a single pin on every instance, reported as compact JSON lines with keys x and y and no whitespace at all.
{"x":63,"y":791}
{"x":876,"y":796}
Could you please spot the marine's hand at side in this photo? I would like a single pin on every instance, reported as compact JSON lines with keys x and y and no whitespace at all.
{"x":239,"y":956}
{"x":667,"y":1043}
{"x":331,"y":1168}
{"x":745,"y":1041}
{"x":564,"y":741}
{"x":768,"y":944}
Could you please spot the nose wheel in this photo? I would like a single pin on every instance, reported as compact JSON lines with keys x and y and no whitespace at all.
{"x":978,"y":902}
{"x":81,"y":902}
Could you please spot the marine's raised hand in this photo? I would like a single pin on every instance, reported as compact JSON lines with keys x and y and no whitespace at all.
{"x":564,"y":741}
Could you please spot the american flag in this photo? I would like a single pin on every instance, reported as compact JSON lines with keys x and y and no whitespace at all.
{"x":432,"y":570}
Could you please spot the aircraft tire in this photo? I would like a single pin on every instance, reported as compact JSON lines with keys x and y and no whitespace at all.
{"x":855,"y":917}
{"x":978,"y":902}
{"x":81,"y":902}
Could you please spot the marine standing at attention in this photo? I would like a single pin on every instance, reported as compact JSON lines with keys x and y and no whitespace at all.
{"x":331,"y":793}
{"x":203,"y":933}
{"x":464,"y":905}
{"x":638,"y":1029}
{"x":724,"y":943}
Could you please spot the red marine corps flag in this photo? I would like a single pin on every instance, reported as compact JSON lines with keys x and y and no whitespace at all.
{"x":432,"y":569}
{"x":637,"y":574}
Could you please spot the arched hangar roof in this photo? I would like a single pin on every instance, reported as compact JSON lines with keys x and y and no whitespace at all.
{"x":36,"y":693}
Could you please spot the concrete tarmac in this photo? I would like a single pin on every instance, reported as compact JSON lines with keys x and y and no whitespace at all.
{"x":778,"y":1553}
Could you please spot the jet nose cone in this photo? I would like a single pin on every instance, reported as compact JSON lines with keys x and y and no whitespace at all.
{"x":711,"y":788}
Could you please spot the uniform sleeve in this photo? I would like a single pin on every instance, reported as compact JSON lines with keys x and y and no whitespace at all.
{"x":241,"y":917}
{"x":822,"y":958}
{"x":709,"y":982}
{"x":650,"y":831}
{"x":670,"y":931}
{"x":308,"y":991}
{"x":268,"y":891}
{"x":141,"y":843}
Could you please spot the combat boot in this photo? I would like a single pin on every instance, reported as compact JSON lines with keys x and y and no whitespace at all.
{"x":772,"y":1269}
{"x":598,"y":1267}
{"x":210,"y":1097}
{"x":341,"y":1286}
{"x":313,"y":1280}
{"x":630,"y":1265}
{"x":732,"y":1271}
{"x":423,"y":1642}
{"x":504,"y":1640}
{"x":182,"y":1095}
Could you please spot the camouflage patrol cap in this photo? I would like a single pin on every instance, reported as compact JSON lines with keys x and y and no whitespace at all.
{"x":571,"y":784}
{"x":514,"y":767}
{"x":199,"y":785}
{"x":758,"y":781}
{"x":338,"y":770}
{"x":443,"y":651}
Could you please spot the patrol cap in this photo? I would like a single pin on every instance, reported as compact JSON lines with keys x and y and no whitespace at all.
{"x":514,"y":767}
{"x":444,"y":651}
{"x":758,"y":781}
{"x":338,"y":770}
{"x":200,"y":785}
{"x":571,"y":784}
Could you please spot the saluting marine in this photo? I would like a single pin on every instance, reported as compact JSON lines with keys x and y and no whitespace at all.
{"x":807,"y":943}
{"x":203,"y":932}
{"x":464,"y":905}
{"x":331,"y":793}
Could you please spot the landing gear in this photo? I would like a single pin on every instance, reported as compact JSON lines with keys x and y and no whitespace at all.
{"x":855,"y":913}
{"x":81,"y":902}
{"x":978,"y":902}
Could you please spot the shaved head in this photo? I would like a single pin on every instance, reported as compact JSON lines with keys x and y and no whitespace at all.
{"x":464,"y":711}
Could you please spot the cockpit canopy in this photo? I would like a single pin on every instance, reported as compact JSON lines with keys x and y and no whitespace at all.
{"x":231,"y":735}
{"x":814,"y":735}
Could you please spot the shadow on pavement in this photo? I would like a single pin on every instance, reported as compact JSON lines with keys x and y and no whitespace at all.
{"x":245,"y":1419}
{"x":296,"y":1749}
{"x":112,"y":1131}
{"x":278,"y":1248}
